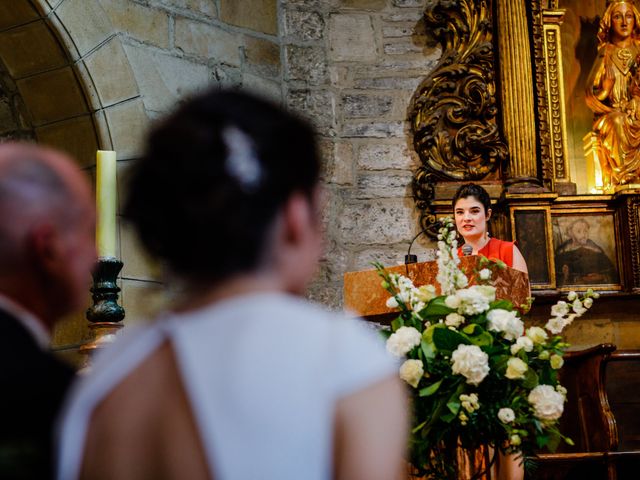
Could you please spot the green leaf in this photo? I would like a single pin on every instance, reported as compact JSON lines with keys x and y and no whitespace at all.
{"x":503,"y":304}
{"x":542,"y":440}
{"x":431,"y":389}
{"x":499,"y":363}
{"x":454,"y":406}
{"x":472,"y":329}
{"x":448,"y":417}
{"x":530,"y":379}
{"x":478,"y":335}
{"x":428,"y":349}
{"x":448,"y":340}
{"x":485,"y":339}
{"x":418,"y":427}
{"x":397,"y":323}
{"x":436,"y":308}
{"x":554,"y":441}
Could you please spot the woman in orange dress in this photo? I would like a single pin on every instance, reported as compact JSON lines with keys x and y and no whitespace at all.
{"x":472,"y":211}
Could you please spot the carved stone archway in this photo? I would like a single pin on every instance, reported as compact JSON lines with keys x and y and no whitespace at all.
{"x":68,"y":84}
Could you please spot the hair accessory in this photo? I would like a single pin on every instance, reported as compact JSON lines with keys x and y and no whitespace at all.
{"x":241,"y":162}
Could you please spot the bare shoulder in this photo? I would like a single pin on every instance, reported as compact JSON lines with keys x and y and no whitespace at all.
{"x":519,"y":262}
{"x":144,"y":427}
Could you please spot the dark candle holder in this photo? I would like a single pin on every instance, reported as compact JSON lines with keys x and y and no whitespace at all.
{"x":105,"y":315}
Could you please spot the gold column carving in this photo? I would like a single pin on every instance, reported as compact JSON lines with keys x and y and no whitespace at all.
{"x":454,"y":112}
{"x":556,"y":100}
{"x":516,"y":75}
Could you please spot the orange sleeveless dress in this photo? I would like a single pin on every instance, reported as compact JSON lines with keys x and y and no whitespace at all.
{"x":496,"y":250}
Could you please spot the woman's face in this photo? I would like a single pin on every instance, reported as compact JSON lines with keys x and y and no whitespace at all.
{"x":471,"y":219}
{"x":622,"y":22}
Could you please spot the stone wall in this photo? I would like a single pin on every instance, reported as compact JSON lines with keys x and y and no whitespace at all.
{"x":352,"y":67}
{"x":176,"y":48}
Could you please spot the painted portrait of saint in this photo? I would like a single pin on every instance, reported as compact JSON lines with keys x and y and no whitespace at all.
{"x":584,"y":253}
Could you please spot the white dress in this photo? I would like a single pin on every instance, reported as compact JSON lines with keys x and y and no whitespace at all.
{"x":262,"y":372}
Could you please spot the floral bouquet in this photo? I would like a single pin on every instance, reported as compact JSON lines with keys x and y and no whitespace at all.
{"x":478,"y":377}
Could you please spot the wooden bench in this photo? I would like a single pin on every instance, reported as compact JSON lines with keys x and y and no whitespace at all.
{"x":601,"y":416}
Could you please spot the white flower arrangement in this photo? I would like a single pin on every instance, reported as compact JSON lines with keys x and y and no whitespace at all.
{"x":506,"y":415}
{"x":411,"y":371}
{"x":547,"y":402}
{"x":403,"y":340}
{"x":470,"y":362}
{"x":460,"y":345}
{"x":505,"y":322}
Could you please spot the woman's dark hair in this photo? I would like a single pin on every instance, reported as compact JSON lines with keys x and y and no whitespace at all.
{"x":472,"y":190}
{"x":215,"y":173}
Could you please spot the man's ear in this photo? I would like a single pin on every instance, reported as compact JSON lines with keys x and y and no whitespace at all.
{"x":44,"y":246}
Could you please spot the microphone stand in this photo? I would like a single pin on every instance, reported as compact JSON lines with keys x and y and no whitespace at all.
{"x":408,"y":258}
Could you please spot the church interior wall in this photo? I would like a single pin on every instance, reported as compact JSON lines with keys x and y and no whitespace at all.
{"x":350,"y":66}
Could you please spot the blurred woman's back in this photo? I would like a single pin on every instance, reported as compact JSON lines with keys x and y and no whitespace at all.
{"x":242,"y":379}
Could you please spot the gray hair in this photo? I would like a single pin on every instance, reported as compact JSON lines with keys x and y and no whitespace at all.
{"x":31,"y":191}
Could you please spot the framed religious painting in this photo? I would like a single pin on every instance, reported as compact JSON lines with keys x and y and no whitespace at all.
{"x":586,"y":250}
{"x":531,"y":227}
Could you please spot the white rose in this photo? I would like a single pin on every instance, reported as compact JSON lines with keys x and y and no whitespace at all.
{"x":587,"y":302}
{"x":515,"y":440}
{"x":506,"y":415}
{"x":411,"y":371}
{"x":484,"y":274}
{"x":506,"y":322}
{"x":522,"y":343}
{"x":547,"y":403}
{"x":516,"y":368}
{"x":556,"y":361}
{"x":470,"y":362}
{"x":403,"y":340}
{"x":461,"y":280}
{"x":572,"y":296}
{"x":537,"y":335}
{"x":426,"y":293}
{"x":454,"y":320}
{"x":452,"y":301}
{"x":555,"y":325}
{"x":560,"y":309}
{"x":392,"y":302}
{"x":475,"y":299}
{"x":577,"y":307}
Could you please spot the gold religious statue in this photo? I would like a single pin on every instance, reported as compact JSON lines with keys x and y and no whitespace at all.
{"x":613,"y":93}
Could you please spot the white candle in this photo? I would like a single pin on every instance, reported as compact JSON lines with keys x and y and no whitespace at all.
{"x":106,"y":203}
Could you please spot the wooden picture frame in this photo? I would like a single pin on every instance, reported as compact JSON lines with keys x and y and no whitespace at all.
{"x":586,"y":249}
{"x":530,"y":229}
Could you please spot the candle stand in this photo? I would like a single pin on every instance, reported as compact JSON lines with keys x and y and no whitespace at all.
{"x":105,"y":315}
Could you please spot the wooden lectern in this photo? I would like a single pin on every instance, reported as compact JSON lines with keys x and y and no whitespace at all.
{"x":364,"y":295}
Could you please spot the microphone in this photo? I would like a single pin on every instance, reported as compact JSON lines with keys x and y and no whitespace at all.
{"x":408,"y":258}
{"x":467,"y":250}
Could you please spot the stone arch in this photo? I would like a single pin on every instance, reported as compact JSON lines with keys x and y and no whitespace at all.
{"x":68,"y":83}
{"x":73,"y":86}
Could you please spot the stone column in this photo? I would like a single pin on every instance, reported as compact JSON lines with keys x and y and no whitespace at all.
{"x":516,"y":76}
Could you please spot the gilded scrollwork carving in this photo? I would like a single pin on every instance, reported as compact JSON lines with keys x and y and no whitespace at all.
{"x":453,"y":115}
{"x":540,"y":92}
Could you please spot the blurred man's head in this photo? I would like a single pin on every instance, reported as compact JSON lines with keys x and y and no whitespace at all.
{"x":47,"y":225}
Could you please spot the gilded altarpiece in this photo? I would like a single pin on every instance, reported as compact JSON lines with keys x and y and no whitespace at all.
{"x":505,"y":107}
